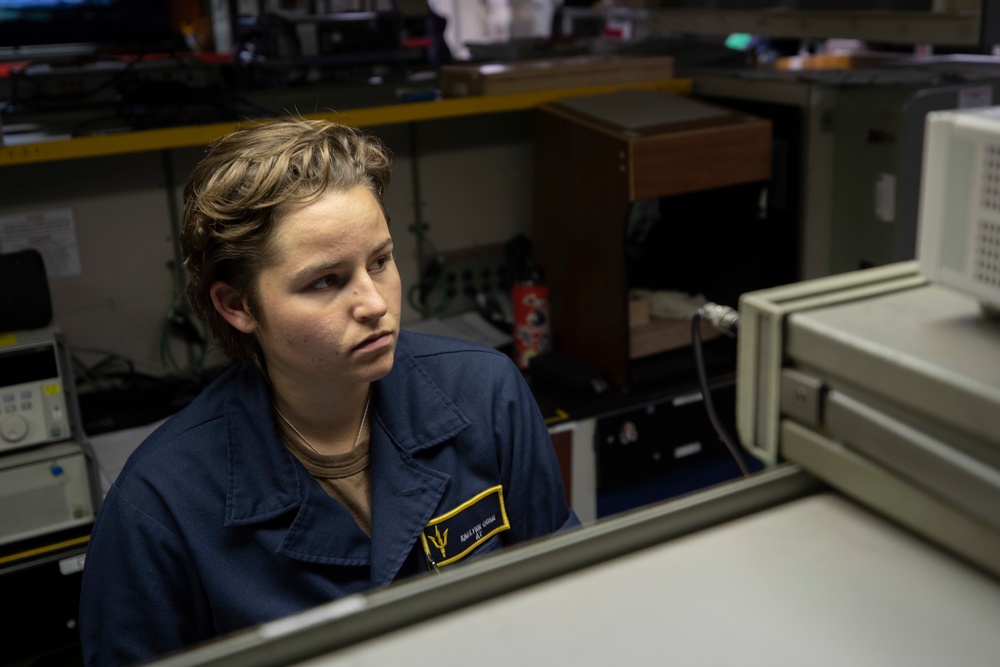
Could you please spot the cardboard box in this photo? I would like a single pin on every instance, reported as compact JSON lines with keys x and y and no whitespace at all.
{"x":638,"y":312}
{"x":536,"y":75}
{"x":662,"y":335}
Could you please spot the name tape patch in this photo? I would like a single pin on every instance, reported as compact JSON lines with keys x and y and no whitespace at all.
{"x":452,"y":536}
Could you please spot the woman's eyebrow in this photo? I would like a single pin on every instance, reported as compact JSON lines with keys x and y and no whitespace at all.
{"x":324,"y":267}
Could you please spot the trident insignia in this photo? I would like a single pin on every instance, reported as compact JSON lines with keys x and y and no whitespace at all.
{"x":440,"y":541}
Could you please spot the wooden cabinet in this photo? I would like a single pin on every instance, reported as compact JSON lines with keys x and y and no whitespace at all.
{"x":595,"y":157}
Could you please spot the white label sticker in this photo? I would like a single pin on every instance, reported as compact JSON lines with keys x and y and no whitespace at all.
{"x":885,"y":197}
{"x":689,"y":449}
{"x":686,"y":399}
{"x":72,"y":564}
{"x":976,"y":96}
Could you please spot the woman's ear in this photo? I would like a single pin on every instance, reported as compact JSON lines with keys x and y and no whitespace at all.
{"x":232,"y":307}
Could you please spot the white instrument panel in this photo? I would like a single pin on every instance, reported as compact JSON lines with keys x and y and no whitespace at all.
{"x":32,"y":395}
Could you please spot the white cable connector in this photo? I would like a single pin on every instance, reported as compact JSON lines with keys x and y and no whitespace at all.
{"x":725,"y":319}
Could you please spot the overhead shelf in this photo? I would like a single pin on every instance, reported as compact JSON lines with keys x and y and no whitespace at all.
{"x":200,"y":135}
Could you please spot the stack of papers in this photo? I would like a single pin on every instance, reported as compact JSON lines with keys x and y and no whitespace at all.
{"x":467,"y":326}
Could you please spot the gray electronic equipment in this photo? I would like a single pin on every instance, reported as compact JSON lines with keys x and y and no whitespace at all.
{"x":33,"y":395}
{"x":886,"y":382}
{"x":48,"y":474}
{"x":886,"y":386}
{"x":960,"y":203}
{"x":44,"y":490}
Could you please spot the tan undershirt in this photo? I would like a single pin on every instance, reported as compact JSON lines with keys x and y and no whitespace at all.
{"x":345,"y":477}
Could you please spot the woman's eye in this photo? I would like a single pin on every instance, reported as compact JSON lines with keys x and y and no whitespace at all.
{"x":325,"y":282}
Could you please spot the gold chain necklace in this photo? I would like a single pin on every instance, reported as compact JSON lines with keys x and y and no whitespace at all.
{"x":357,"y":440}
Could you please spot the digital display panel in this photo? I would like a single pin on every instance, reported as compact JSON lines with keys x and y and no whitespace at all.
{"x":125,"y":23}
{"x":28,"y":365}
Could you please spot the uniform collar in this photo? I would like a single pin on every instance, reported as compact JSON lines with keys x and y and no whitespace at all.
{"x":411,"y":414}
{"x":262,"y":482}
{"x":414,"y":410}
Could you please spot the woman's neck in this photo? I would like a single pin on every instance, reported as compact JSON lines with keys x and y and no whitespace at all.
{"x":328,"y":420}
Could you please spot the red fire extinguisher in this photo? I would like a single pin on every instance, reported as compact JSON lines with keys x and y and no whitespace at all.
{"x":532,"y":334}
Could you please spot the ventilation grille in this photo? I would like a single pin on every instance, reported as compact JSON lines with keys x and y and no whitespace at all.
{"x":987,"y":253}
{"x":990,"y":192}
{"x":986,"y":269}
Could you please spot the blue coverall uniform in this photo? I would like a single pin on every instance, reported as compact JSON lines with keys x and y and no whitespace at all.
{"x":213,"y":526}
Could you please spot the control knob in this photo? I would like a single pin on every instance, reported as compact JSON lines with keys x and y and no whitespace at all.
{"x":13,"y":428}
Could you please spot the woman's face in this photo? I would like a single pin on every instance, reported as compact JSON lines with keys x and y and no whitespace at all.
{"x":330,"y":300}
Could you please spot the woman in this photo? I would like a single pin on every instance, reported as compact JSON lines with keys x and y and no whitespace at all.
{"x":339,"y":454}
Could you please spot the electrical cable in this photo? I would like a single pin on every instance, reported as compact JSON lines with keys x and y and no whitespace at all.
{"x":430,"y":263}
{"x":413,"y":296}
{"x":112,"y":81}
{"x":727,"y":321}
{"x":431,"y":277}
{"x":166,"y":355}
{"x":179,"y":322}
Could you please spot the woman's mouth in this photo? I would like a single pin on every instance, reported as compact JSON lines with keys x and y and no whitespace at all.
{"x":374,"y":342}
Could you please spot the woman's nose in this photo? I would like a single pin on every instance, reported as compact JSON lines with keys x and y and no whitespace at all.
{"x":370,"y":302}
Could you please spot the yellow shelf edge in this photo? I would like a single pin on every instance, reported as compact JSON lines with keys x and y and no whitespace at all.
{"x":470,"y":106}
{"x":45,"y":549}
{"x":200,"y":135}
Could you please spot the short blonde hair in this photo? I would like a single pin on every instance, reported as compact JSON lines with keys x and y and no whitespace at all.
{"x":239,"y":190}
